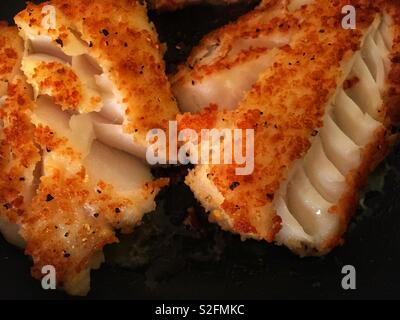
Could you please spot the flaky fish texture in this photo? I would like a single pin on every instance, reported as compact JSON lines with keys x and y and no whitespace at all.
{"x":100,"y":57}
{"x":170,"y":5}
{"x":321,"y":108}
{"x":228,"y":61}
{"x":63,"y":193}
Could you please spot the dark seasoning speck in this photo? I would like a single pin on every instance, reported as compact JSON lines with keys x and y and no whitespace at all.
{"x":60,"y":42}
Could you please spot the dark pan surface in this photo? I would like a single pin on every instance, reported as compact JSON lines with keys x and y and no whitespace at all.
{"x":165,"y":259}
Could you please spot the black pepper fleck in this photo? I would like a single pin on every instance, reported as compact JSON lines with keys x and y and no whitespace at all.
{"x":234,"y":185}
{"x":60,"y":42}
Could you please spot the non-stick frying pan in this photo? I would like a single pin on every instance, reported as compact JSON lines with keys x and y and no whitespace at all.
{"x":165,"y":259}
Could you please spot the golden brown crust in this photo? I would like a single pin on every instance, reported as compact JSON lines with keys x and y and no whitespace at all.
{"x":271,"y":20}
{"x":285,"y":108}
{"x":65,"y":215}
{"x":120,"y":37}
{"x":10,"y":53}
{"x":64,"y":86}
{"x":19,"y":153}
{"x":68,"y":221}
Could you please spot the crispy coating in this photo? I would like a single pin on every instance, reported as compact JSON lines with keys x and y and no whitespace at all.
{"x":223,"y":67}
{"x":11,"y":54}
{"x":64,"y":213}
{"x":64,"y":86}
{"x":70,"y":222}
{"x":119,"y":36}
{"x":268,"y":20}
{"x":71,"y":217}
{"x":19,"y":154}
{"x":286,"y":109}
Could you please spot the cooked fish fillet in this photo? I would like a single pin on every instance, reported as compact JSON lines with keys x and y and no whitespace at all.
{"x":170,"y":5}
{"x":63,"y":193}
{"x":322,"y":114}
{"x":99,"y":57}
{"x":227,"y":62}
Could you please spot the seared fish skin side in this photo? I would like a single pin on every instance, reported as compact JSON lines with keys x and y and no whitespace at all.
{"x":63,"y":193}
{"x":322,"y":114}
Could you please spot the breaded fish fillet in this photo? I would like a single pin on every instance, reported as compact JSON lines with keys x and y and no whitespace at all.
{"x":100,"y":57}
{"x":228,"y":61}
{"x":63,"y":193}
{"x":321,"y":112}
